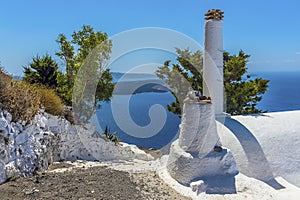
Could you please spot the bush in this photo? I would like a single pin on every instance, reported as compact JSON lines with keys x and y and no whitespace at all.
{"x":20,"y":99}
{"x":50,"y":101}
{"x":23,"y":100}
{"x":5,"y":79}
{"x":42,"y":70}
{"x":111,"y":136}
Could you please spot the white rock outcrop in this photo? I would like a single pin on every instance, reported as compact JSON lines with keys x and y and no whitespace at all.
{"x":27,"y":148}
{"x":24,"y":149}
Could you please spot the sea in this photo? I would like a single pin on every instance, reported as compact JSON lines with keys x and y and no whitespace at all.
{"x":283,"y":94}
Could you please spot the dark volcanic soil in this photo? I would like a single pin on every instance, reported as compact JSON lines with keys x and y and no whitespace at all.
{"x":91,"y":183}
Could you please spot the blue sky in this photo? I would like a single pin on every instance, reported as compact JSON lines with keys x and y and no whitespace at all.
{"x":268,"y":30}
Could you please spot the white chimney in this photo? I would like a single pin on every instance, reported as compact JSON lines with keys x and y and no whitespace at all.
{"x":213,"y":84}
{"x":197,"y":154}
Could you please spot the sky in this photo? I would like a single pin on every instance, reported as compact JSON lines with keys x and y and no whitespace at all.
{"x":268,"y":30}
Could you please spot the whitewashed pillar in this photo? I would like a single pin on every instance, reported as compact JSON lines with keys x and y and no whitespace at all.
{"x":213,"y":82}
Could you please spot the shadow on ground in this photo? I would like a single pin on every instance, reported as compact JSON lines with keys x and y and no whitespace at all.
{"x":220,"y":184}
{"x":258,"y":165}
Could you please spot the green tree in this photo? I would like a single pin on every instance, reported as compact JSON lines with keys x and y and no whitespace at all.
{"x":42,"y":70}
{"x":242,"y":93}
{"x":182,"y":75}
{"x":85,"y":57}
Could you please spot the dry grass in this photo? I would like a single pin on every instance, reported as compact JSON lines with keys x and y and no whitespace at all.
{"x":20,"y":99}
{"x":23,"y":100}
{"x":51,"y":101}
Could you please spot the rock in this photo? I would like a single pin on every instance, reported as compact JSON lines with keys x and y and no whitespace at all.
{"x":22,"y":138}
{"x":42,"y":122}
{"x":8,"y":117}
{"x":2,"y":172}
{"x":4,"y":127}
{"x":17,"y":127}
{"x":10,"y":170}
{"x":198,"y":186}
{"x":217,"y":148}
{"x":3,"y":123}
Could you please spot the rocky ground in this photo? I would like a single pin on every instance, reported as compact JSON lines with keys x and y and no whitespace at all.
{"x":89,"y":183}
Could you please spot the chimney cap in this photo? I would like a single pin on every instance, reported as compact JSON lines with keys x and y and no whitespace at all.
{"x":215,"y":14}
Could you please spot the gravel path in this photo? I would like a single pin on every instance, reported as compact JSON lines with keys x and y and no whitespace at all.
{"x":89,"y":183}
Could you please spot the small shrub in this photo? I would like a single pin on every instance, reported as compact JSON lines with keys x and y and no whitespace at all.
{"x":20,"y":99}
{"x":23,"y":100}
{"x":111,"y":136}
{"x":50,"y":101}
{"x":5,"y":81}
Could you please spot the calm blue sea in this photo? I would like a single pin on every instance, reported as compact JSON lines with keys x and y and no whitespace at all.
{"x":139,"y":106}
{"x":283,"y":95}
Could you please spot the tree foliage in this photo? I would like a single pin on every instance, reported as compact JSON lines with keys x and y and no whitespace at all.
{"x":42,"y":70}
{"x":182,"y":75}
{"x":74,"y":52}
{"x":86,"y":79}
{"x":85,"y":57}
{"x":242,"y":93}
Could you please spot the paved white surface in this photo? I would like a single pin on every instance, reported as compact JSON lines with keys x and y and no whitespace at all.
{"x":266,"y":145}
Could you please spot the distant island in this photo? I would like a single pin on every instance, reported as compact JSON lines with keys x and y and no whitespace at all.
{"x":142,"y":82}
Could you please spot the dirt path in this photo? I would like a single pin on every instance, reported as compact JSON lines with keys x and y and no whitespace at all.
{"x":89,"y":183}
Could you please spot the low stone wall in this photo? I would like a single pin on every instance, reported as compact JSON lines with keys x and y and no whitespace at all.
{"x":47,"y":139}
